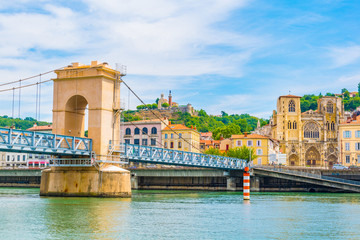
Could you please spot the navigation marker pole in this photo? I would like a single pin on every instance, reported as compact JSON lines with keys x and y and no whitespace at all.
{"x":246,"y":184}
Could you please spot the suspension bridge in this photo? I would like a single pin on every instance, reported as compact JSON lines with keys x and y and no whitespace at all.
{"x":84,"y":166}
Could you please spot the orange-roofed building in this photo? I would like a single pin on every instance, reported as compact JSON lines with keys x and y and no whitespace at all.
{"x":44,"y":129}
{"x":206,"y":136}
{"x":180,"y":137}
{"x":206,"y":144}
{"x":349,"y":139}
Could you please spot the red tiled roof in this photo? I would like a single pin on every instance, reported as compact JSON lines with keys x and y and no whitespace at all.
{"x":40,"y":128}
{"x":177,"y":127}
{"x":248,"y":136}
{"x":206,"y":134}
{"x":210,"y":142}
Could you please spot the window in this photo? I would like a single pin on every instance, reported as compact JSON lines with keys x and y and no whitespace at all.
{"x":171,"y":144}
{"x":357,"y":146}
{"x":332,"y":126}
{"x":291,"y":106}
{"x":18,"y":158}
{"x":347,"y":146}
{"x":128,"y":131}
{"x":136,"y":141}
{"x":153,"y":142}
{"x":258,"y":143}
{"x":127,"y":141}
{"x":172,"y":135}
{"x":165,"y":145}
{"x":8,"y":158}
{"x":238,"y":143}
{"x":358,"y":158}
{"x":311,"y":130}
{"x":166,"y":136}
{"x":289,"y":125}
{"x":329,"y":107}
{"x":145,"y":130}
{"x":154,"y":130}
{"x":327,"y":125}
{"x":144,"y":142}
{"x":294,"y":125}
{"x":347,"y":134}
{"x":357,"y":134}
{"x":259,"y":161}
{"x":249,"y":143}
{"x":137,"y":131}
{"x":24,"y":157}
{"x":347,"y":157}
{"x":259,"y":152}
{"x":180,"y":135}
{"x":179,"y":145}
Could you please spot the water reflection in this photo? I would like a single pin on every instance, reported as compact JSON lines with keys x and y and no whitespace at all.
{"x":82,"y":217}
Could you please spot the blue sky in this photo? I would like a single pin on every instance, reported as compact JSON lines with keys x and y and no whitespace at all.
{"x":236,"y":56}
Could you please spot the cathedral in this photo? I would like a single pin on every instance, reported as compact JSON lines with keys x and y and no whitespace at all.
{"x":309,"y":138}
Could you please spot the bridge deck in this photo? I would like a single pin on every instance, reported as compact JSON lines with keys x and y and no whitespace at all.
{"x":12,"y":140}
{"x":344,"y":184}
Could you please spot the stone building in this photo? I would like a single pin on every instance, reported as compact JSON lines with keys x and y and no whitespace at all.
{"x":309,"y":138}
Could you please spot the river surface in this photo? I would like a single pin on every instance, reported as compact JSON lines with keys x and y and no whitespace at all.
{"x":180,"y":215}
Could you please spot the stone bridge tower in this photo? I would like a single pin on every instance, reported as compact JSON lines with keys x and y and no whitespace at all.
{"x":95,"y":87}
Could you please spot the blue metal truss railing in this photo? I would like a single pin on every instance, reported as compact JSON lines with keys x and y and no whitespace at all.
{"x":12,"y":140}
{"x":157,"y":155}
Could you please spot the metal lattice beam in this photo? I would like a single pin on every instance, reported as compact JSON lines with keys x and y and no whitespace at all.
{"x":12,"y":140}
{"x":137,"y":153}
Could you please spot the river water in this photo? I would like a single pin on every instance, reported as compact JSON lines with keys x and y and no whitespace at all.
{"x":180,"y":215}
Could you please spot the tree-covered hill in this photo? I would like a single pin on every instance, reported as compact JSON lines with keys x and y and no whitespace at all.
{"x":308,"y":102}
{"x":19,"y":123}
{"x":221,"y":126}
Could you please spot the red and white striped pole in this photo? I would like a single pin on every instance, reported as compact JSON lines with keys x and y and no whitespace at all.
{"x":246,"y":184}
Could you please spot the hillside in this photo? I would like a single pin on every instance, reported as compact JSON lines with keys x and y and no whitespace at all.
{"x":19,"y":123}
{"x":310,"y":101}
{"x":221,"y":126}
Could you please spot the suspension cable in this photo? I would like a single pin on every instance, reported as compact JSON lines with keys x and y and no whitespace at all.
{"x":28,"y":78}
{"x":39,"y":97}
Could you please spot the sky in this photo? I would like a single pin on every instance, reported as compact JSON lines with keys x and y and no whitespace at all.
{"x":236,"y":56}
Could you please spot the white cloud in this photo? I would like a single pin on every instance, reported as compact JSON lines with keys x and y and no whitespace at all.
{"x":343,"y":56}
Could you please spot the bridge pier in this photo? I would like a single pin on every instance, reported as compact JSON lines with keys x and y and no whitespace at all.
{"x":231,"y":184}
{"x":109,"y":181}
{"x":134,"y":181}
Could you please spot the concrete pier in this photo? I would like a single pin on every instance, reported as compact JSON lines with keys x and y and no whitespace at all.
{"x":110,"y":181}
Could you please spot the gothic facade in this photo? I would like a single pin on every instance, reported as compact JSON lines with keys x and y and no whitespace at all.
{"x":309,"y":138}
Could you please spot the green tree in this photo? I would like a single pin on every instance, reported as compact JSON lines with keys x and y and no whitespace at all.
{"x":154,"y":106}
{"x":242,"y":153}
{"x":214,"y":151}
{"x":165,"y":105}
{"x":224,"y":114}
{"x":343,"y":90}
{"x":157,"y":101}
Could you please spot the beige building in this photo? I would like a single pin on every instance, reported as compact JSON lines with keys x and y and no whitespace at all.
{"x":349,"y":140}
{"x":260,"y":144}
{"x":309,"y":138}
{"x":180,"y":137}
